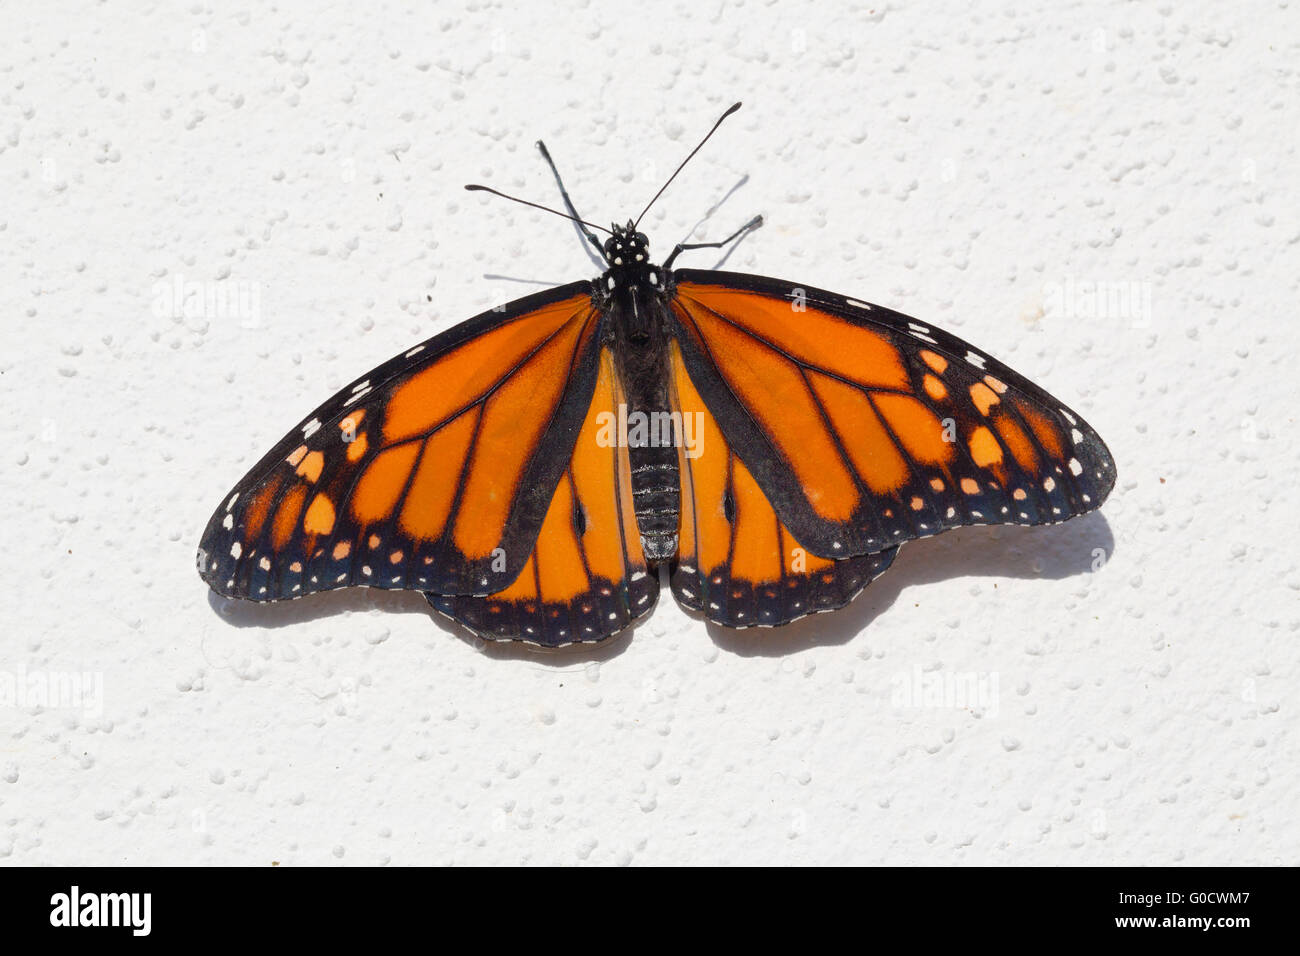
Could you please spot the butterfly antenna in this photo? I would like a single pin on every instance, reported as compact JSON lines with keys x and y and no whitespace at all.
{"x":476,"y":188}
{"x":732,"y":109}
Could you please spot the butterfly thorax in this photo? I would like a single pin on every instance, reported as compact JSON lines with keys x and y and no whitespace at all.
{"x":631,"y":292}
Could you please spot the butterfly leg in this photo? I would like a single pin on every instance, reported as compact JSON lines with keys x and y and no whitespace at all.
{"x":568,"y":203}
{"x":684,"y":246}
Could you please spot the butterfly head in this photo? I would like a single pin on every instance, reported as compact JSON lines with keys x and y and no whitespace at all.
{"x":627,"y":246}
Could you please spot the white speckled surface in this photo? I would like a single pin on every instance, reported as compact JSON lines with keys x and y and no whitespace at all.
{"x":975,"y":165}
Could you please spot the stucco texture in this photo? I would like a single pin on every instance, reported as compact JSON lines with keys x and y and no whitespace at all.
{"x":214,"y":217}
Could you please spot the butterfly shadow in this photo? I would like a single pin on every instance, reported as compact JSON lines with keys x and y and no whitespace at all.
{"x":362,"y":600}
{"x":1055,"y":552}
{"x":712,"y":211}
{"x":520,"y":280}
{"x":708,"y":216}
{"x":277,"y":614}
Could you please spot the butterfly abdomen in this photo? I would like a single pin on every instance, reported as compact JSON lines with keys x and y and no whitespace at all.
{"x":656,"y":498}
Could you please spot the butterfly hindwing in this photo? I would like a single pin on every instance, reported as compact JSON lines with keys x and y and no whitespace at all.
{"x":586,"y":577}
{"x":424,"y":473}
{"x":865,"y":428}
{"x":737,"y":561}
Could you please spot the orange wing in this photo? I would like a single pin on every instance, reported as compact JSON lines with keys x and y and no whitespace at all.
{"x":865,"y":428}
{"x":586,"y":578}
{"x":433,"y":472}
{"x":737,"y":561}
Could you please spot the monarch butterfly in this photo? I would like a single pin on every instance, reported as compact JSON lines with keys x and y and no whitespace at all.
{"x":532,"y":468}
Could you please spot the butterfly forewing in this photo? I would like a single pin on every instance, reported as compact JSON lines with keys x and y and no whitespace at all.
{"x":432,"y":472}
{"x":864,"y":428}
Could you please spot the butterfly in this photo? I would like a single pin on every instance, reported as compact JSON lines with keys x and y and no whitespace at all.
{"x":531,"y":469}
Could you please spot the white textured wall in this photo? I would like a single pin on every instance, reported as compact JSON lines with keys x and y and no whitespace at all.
{"x":977,"y":165}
